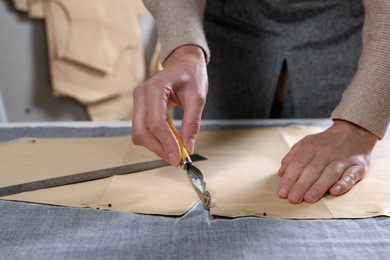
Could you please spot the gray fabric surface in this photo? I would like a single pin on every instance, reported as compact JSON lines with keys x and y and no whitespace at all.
{"x":33,"y":231}
{"x":320,"y":41}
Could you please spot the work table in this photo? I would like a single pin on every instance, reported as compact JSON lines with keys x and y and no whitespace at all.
{"x":37,"y":231}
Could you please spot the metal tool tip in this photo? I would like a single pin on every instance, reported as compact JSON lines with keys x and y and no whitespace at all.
{"x":206,"y":200}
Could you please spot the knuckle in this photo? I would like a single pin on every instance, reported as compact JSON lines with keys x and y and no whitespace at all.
{"x":307,"y":140}
{"x":314,"y":170}
{"x":363,"y":161}
{"x":344,"y":186}
{"x":156,"y":85}
{"x":201,"y":100}
{"x":306,"y":145}
{"x":361,"y":171}
{"x":194,"y":126}
{"x":196,"y":98}
{"x":161,"y":154}
{"x":356,"y":173}
{"x":299,"y":165}
{"x":137,"y":137}
{"x":325,"y":150}
{"x":284,"y":161}
{"x":287,"y":180}
{"x":335,"y":170}
{"x":283,"y":167}
{"x":156,"y":125}
{"x":288,"y":158}
{"x":153,"y":82}
{"x":297,"y":145}
{"x":309,"y":146}
{"x":137,"y":91}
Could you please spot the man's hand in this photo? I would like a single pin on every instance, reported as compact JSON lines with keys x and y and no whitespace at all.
{"x":333,"y":161}
{"x":183,"y":82}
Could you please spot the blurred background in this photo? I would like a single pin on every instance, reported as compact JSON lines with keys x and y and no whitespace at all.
{"x":26,"y":93}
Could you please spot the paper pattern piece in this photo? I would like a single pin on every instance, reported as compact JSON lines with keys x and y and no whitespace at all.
{"x":95,"y":51}
{"x":94,"y":57}
{"x":21,"y":5}
{"x":241,"y":176}
{"x":30,"y":159}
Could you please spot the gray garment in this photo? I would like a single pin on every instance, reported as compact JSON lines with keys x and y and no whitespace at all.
{"x":32,"y":231}
{"x":320,"y":41}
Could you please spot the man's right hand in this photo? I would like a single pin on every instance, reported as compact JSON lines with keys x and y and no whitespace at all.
{"x":182,"y":82}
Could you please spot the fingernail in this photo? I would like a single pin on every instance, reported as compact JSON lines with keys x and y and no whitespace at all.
{"x":312,"y":195}
{"x":295,"y":197}
{"x":283,"y":191}
{"x":172,"y":159}
{"x":336,"y":189}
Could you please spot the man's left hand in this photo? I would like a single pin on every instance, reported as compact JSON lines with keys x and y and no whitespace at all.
{"x":334,"y":160}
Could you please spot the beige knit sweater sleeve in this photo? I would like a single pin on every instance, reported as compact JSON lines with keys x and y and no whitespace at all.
{"x":366,"y":102}
{"x":179,"y":22}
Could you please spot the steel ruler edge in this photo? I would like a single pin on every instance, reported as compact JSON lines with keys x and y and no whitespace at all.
{"x":88,"y":176}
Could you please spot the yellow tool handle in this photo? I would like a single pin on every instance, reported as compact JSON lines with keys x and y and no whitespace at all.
{"x":184,"y":153}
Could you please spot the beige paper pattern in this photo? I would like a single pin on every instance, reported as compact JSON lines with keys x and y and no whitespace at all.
{"x":97,"y":32}
{"x":76,"y":70}
{"x":30,"y":159}
{"x":21,"y":5}
{"x":95,"y":51}
{"x":34,"y":8}
{"x":240,"y":174}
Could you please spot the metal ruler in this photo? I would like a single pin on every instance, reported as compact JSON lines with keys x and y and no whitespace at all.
{"x":88,"y":176}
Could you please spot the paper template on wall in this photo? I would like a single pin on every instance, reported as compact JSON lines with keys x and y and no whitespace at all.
{"x":95,"y":51}
{"x":95,"y":56}
{"x":240,"y":173}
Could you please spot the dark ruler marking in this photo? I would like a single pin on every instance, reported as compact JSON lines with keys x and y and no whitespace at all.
{"x":88,"y":176}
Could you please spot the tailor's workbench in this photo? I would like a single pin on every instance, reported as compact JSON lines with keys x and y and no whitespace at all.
{"x":32,"y":231}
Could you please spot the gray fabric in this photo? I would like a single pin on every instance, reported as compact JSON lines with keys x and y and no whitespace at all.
{"x":30,"y":231}
{"x":249,"y":40}
{"x":33,"y":231}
